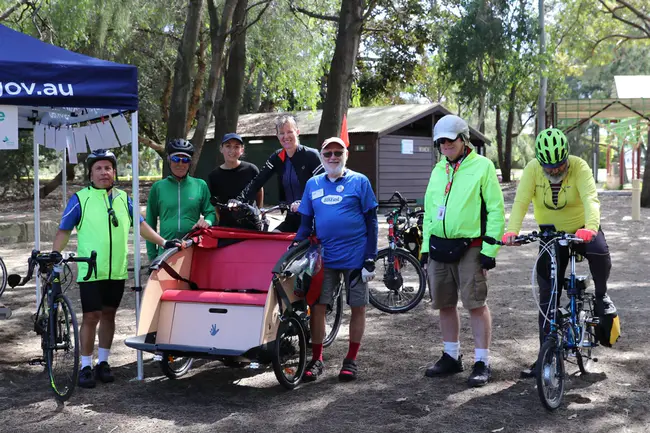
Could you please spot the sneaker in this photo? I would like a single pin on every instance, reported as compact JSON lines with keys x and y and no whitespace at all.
{"x":348,"y":372}
{"x":480,"y":375}
{"x":103,"y":372}
{"x":86,"y":379}
{"x":529,"y":372}
{"x":445,"y":365}
{"x":604,"y":306}
{"x":313,"y":370}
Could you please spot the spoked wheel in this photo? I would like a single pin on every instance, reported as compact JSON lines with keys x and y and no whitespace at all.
{"x":584,"y":352}
{"x":550,"y":374}
{"x":61,"y":347}
{"x":3,"y":276}
{"x":290,"y":353}
{"x":333,"y":317}
{"x":175,"y":366}
{"x":400,"y":283}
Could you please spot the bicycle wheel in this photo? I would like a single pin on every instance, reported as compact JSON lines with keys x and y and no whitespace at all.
{"x":61,"y":345}
{"x":3,"y":276}
{"x":289,"y":353}
{"x":333,"y":317}
{"x":583,"y":352}
{"x":402,"y":283}
{"x":175,"y":366}
{"x":550,"y":374}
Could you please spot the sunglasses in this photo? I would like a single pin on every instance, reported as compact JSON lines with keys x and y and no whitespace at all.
{"x":337,"y":153}
{"x":183,"y":159}
{"x":113,"y":217}
{"x":439,"y":142}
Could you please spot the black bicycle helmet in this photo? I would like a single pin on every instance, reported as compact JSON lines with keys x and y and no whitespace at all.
{"x":101,"y":155}
{"x":179,"y":145}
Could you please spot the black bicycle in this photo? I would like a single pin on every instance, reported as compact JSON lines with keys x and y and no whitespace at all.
{"x":403,"y":281}
{"x":55,"y":320}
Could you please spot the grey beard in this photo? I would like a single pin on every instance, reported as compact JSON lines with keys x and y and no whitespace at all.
{"x":335,"y":171}
{"x":556,"y":179}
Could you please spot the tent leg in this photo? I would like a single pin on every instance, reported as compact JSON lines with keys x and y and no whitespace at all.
{"x":37,"y":218}
{"x":136,"y":230}
{"x":64,"y":178}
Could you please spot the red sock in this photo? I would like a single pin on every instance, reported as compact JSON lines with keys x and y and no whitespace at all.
{"x":353,"y":350}
{"x":317,"y":352}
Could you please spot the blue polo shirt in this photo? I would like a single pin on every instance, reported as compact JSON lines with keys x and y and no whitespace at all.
{"x":72,"y":212}
{"x":339,"y":210}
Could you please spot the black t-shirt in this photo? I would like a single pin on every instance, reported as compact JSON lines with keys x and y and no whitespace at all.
{"x":226,"y":184}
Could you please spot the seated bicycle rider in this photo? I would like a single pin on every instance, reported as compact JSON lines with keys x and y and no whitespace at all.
{"x":563,"y":192}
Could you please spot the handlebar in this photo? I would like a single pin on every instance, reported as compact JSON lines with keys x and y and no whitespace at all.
{"x":253,"y":209}
{"x":55,"y":258}
{"x":534,"y":236}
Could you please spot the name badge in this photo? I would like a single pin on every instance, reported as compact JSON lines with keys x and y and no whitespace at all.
{"x":441,"y":212}
{"x":317,"y":194}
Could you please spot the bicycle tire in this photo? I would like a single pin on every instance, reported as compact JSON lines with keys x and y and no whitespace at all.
{"x":337,"y":313}
{"x":3,"y":276}
{"x":583,"y":353}
{"x":284,"y":354}
{"x":173,"y":371}
{"x":61,"y":323}
{"x":550,"y":374}
{"x":393,"y":276}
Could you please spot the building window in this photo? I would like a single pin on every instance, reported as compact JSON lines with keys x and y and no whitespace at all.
{"x":359,"y":147}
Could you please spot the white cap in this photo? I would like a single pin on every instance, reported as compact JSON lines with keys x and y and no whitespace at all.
{"x":450,"y":126}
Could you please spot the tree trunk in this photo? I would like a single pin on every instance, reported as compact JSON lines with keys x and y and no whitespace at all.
{"x":218,"y":34}
{"x":195,"y":100}
{"x":177,"y":124}
{"x":339,"y":81}
{"x":645,"y":191}
{"x":257,"y":95}
{"x":58,"y":180}
{"x":507,"y":154}
{"x":499,"y":129}
{"x":482,"y":104}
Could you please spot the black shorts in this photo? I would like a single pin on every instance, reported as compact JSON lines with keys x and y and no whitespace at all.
{"x":96,"y":295}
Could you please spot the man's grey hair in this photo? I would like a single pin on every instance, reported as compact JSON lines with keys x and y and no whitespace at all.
{"x":280,"y":121}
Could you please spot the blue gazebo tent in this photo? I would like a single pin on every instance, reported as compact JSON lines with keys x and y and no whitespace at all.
{"x":51,"y":84}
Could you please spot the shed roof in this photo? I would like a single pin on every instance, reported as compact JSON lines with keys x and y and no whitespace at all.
{"x":632,"y":86}
{"x":378,"y":120}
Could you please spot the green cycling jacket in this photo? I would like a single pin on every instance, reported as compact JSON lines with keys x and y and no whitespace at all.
{"x":178,"y":205}
{"x":96,"y":231}
{"x":473,"y":206}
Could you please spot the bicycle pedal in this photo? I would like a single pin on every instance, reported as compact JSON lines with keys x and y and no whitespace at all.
{"x":37,"y":361}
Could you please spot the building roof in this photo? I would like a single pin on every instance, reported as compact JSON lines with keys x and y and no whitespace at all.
{"x":378,"y":120}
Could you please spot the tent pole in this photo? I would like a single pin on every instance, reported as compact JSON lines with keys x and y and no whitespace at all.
{"x":136,"y":230}
{"x":37,"y":218}
{"x":64,"y":177}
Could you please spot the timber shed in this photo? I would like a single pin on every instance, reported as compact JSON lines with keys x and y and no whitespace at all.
{"x":392,"y":145}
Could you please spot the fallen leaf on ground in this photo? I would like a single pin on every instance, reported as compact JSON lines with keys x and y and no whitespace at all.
{"x":401,"y":399}
{"x":497,"y":430}
{"x":574,"y":416}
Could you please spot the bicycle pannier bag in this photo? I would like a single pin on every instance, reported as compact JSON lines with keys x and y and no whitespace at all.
{"x":447,"y":250}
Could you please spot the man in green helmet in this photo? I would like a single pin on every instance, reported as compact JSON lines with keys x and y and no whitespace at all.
{"x":563,"y":192}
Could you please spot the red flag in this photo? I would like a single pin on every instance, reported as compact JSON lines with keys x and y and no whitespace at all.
{"x":344,"y":131}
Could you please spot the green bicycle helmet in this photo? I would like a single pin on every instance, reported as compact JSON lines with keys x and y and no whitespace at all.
{"x":551,"y":148}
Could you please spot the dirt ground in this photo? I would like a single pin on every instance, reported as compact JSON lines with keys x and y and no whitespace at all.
{"x":392,"y":394}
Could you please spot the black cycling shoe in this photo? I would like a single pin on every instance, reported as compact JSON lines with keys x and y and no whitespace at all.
{"x":313,"y":370}
{"x":529,"y":372}
{"x":445,"y":365}
{"x":480,"y":376}
{"x":103,"y":372}
{"x":86,"y":378}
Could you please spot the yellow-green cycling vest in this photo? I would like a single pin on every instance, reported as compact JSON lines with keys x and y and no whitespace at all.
{"x":96,"y":232}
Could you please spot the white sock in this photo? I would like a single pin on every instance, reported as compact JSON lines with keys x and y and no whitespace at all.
{"x":86,"y":361}
{"x":102,"y":355}
{"x":482,"y":355}
{"x":452,"y":349}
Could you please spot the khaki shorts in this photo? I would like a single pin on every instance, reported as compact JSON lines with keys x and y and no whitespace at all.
{"x":466,"y":276}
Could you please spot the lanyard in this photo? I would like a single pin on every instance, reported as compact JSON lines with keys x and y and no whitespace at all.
{"x":450,"y":175}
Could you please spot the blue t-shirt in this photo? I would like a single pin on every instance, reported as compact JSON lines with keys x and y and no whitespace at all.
{"x":339,"y":210}
{"x":72,"y":212}
{"x":292,"y":188}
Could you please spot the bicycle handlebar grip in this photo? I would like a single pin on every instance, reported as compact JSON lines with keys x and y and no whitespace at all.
{"x":490,"y":240}
{"x":92,"y":265}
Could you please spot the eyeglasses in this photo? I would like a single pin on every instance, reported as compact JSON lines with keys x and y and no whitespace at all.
{"x":183,"y":159}
{"x":439,"y":142}
{"x":113,"y":217}
{"x":551,"y":206}
{"x":336,"y":153}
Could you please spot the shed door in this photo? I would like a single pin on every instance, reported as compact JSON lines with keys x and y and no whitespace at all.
{"x":405,"y":165}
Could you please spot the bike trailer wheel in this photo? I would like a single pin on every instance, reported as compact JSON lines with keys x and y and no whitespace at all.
{"x":175,"y":366}
{"x":289,"y":353}
{"x":333,"y":318}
